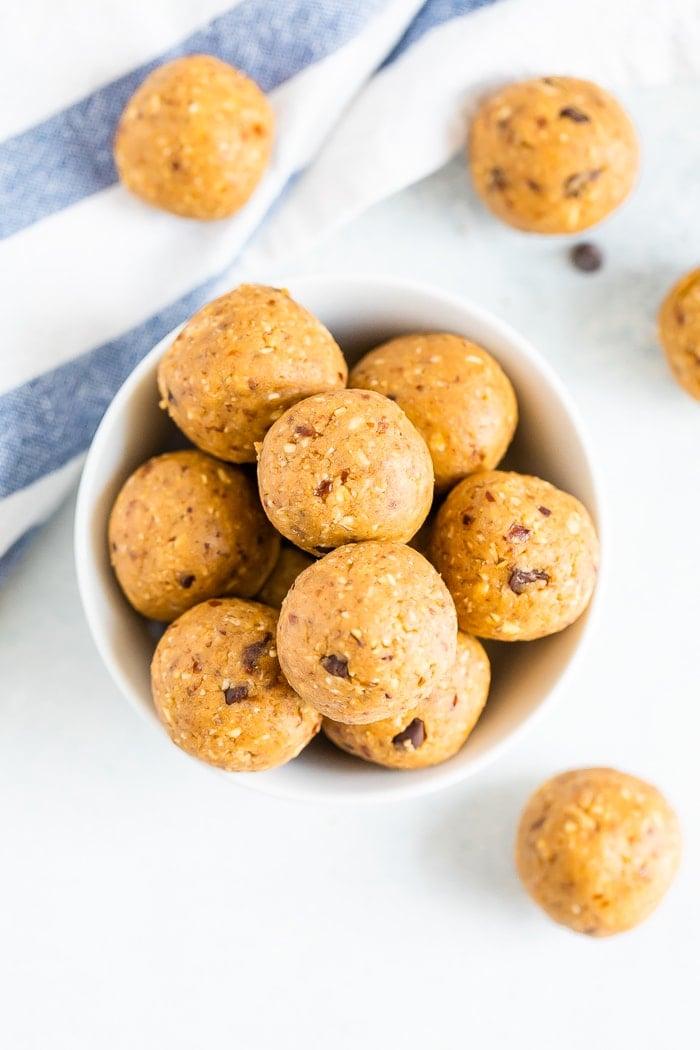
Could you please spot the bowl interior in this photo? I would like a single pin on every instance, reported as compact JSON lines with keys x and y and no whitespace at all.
{"x":360,"y":312}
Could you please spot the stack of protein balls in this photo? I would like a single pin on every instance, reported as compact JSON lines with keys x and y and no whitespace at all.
{"x":376,"y":640}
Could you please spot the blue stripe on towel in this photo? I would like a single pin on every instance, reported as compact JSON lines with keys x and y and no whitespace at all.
{"x":69,"y":156}
{"x":46,"y":422}
{"x":433,"y":13}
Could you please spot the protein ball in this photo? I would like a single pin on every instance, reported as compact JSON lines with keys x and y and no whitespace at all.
{"x":553,"y":155}
{"x":519,"y":556}
{"x":454,"y":392}
{"x":290,"y":563}
{"x":195,"y":138}
{"x":597,"y":850}
{"x":239,"y":363}
{"x":342,"y":467}
{"x":219,"y":691}
{"x":185,"y":527}
{"x":679,"y":332}
{"x":432,"y":731}
{"x":366,"y":632}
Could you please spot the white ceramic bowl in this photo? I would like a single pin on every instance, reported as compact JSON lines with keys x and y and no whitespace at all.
{"x":361,"y":312}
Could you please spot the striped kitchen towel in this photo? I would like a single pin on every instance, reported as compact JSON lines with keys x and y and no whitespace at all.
{"x":370,"y":95}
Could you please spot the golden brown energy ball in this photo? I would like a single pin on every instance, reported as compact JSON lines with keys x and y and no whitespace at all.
{"x":679,"y":332}
{"x":290,"y":563}
{"x":342,"y":467}
{"x":185,"y":527}
{"x":366,"y":632}
{"x":456,"y":394}
{"x":219,"y":691}
{"x":239,"y":363}
{"x":195,"y":138}
{"x":552,"y":155}
{"x":597,"y":850}
{"x":519,"y":556}
{"x":432,"y":731}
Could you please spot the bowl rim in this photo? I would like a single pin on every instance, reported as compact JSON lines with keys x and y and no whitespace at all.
{"x":398,"y":789}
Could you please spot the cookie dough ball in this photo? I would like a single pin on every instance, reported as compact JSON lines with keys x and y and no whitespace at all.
{"x":366,"y":632}
{"x":679,"y":332}
{"x":219,"y":691}
{"x":290,"y":563}
{"x":458,"y":397}
{"x":184,"y":528}
{"x":342,"y":467}
{"x":519,"y":556}
{"x":239,"y":363}
{"x":432,"y":731}
{"x":195,"y":138}
{"x":597,"y":850}
{"x":554,"y":155}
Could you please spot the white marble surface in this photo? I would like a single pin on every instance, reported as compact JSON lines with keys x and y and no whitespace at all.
{"x":144,"y":902}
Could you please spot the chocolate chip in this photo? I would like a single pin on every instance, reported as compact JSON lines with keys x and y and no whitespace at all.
{"x":571,"y":113}
{"x":234,"y":693}
{"x":455,"y":700}
{"x":303,"y":430}
{"x":517,"y":533}
{"x":497,"y":179}
{"x":186,"y":579}
{"x":214,"y":602}
{"x":175,"y":165}
{"x":253,"y":652}
{"x":413,"y":735}
{"x":520,"y":578}
{"x":323,"y":489}
{"x":335,"y":665}
{"x":534,"y":186}
{"x":344,"y":475}
{"x":537,"y":824}
{"x":679,"y":315}
{"x":544,"y":510}
{"x":490,"y":497}
{"x":579,"y":181}
{"x":171,"y":398}
{"x":586,"y":257}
